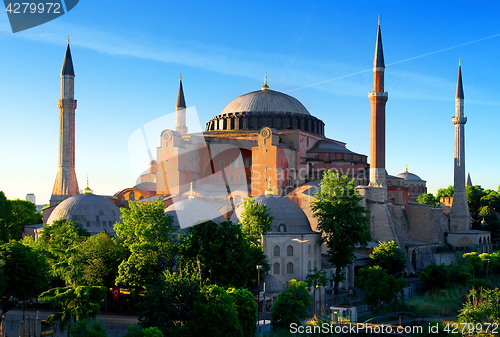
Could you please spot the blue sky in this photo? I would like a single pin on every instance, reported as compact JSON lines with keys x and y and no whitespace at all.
{"x":128,"y":57}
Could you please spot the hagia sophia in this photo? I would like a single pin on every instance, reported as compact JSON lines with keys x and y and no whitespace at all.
{"x":266,"y":145}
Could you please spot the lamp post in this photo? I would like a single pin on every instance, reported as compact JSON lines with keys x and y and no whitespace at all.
{"x":259,"y":267}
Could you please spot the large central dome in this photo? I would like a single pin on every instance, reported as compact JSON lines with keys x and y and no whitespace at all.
{"x":265,"y":101}
{"x":265,"y":108}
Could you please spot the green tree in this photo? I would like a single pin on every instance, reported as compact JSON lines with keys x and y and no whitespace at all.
{"x":23,"y":214}
{"x":428,"y":199}
{"x":218,"y":254}
{"x":482,"y":306}
{"x":341,"y":220}
{"x":381,"y":289}
{"x":477,"y":263}
{"x":82,"y":329}
{"x":445,"y":192}
{"x":214,"y":314}
{"x":388,"y":256}
{"x":291,"y":305}
{"x":77,"y":303}
{"x":5,"y":217}
{"x":25,"y":274}
{"x":247,"y":309}
{"x":101,"y":256}
{"x":255,"y":221}
{"x":135,"y":331}
{"x":147,"y":233}
{"x":62,"y":243}
{"x":435,"y":277}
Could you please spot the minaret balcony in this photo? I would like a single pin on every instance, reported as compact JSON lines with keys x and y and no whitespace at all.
{"x":378,"y":94}
{"x":459,"y":120}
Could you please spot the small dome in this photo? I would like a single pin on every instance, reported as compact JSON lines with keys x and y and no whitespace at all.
{"x":408,"y":176}
{"x":94,"y":212}
{"x":190,"y":212}
{"x":288,"y":217}
{"x":265,"y":101}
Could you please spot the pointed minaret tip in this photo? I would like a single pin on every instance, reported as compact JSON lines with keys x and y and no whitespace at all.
{"x":181,"y":102}
{"x":460,"y":89}
{"x":67,"y":68}
{"x":378,"y":62}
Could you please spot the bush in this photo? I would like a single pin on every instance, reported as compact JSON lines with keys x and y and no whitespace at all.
{"x":135,"y":331}
{"x":435,"y":277}
{"x":82,"y":329}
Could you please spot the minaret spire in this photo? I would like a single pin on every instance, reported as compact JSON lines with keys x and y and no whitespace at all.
{"x":180,"y":111}
{"x":459,"y":215}
{"x":378,"y":98}
{"x":66,"y":184}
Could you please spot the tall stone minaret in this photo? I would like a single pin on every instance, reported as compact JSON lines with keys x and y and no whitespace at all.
{"x":180,"y":112}
{"x":378,"y":98}
{"x":460,"y":216}
{"x":66,"y":184}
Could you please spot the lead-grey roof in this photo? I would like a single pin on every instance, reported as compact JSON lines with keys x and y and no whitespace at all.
{"x":265,"y":101}
{"x":408,"y":176}
{"x":67,"y":68}
{"x":284,"y":212}
{"x":327,"y":146}
{"x":94,"y":212}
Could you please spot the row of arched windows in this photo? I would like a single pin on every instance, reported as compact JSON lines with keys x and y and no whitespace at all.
{"x":277,"y":250}
{"x":277,"y":268}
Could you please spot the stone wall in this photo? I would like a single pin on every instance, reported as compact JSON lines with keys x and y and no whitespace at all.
{"x":427,"y":223}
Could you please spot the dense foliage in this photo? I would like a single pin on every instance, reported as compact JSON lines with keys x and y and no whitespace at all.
{"x":255,"y":221}
{"x":381,"y":290}
{"x":341,"y":220}
{"x":388,"y":256}
{"x":291,"y":305}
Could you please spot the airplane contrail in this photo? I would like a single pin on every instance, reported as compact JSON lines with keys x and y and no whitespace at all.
{"x":393,"y":63}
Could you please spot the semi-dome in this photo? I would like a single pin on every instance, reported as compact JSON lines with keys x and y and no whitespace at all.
{"x":265,"y":101}
{"x":192,"y":211}
{"x":262,"y":108}
{"x":288,"y":217}
{"x":94,"y":212}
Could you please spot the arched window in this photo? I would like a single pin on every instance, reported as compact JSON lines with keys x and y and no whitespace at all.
{"x":212,"y":178}
{"x":231,"y":178}
{"x":480,"y":241}
{"x":309,"y":250}
{"x":242,"y":178}
{"x":276,"y":268}
{"x":282,"y":228}
{"x":315,"y":265}
{"x":232,"y":162}
{"x":289,"y":268}
{"x":276,"y":250}
{"x":222,"y":165}
{"x":309,"y":266}
{"x":221,"y":178}
{"x":131,"y":196}
{"x":315,"y":247}
{"x":289,"y":250}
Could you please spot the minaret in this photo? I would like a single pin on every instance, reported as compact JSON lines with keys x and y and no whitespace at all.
{"x":460,"y":216}
{"x":66,"y":184}
{"x":378,"y":98}
{"x":180,"y":111}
